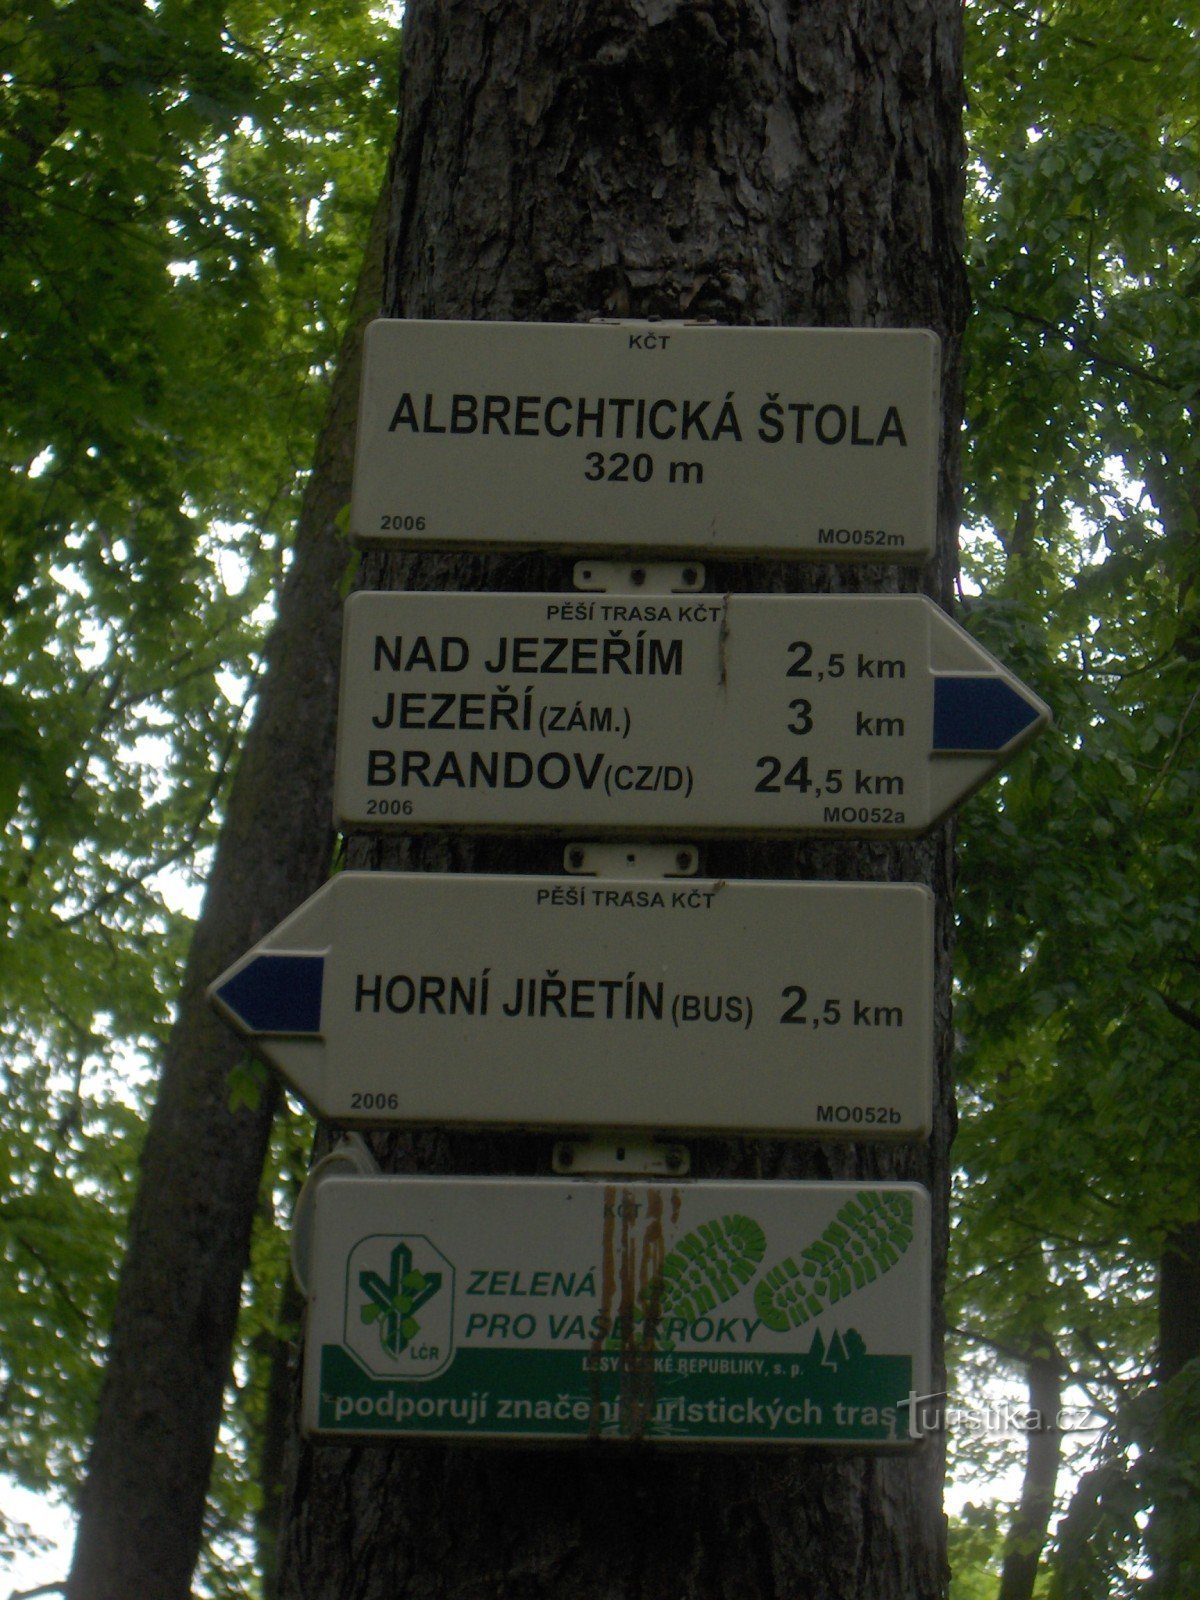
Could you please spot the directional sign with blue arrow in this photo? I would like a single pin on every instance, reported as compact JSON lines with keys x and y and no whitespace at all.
{"x":277,"y":994}
{"x":750,"y":714}
{"x":574,"y":1003}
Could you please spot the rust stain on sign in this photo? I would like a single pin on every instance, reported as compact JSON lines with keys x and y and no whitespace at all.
{"x":723,"y":646}
{"x":631,"y":1279}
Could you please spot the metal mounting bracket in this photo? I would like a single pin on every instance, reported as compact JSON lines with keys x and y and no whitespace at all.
{"x":614,"y":1154}
{"x":639,"y":577}
{"x":351,"y":1157}
{"x":599,"y":860}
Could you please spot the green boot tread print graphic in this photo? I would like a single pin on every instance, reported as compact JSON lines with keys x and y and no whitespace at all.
{"x":391,"y":1302}
{"x":870,"y":1234}
{"x":710,"y":1265}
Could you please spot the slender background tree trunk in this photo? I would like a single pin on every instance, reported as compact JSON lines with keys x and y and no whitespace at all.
{"x":142,"y":1506}
{"x":767,"y":163}
{"x":1043,"y":1449}
{"x":1171,"y":1537}
{"x":1179,"y":1301}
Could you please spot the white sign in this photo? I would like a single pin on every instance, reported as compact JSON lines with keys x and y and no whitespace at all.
{"x":758,"y":1313}
{"x":752,"y":441}
{"x":760,"y":714}
{"x":572,"y":1003}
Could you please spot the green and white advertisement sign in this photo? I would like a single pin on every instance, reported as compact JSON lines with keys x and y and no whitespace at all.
{"x":763,"y":1313}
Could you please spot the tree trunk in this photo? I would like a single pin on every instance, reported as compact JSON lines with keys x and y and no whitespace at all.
{"x":1179,"y":1301}
{"x":142,"y":1503}
{"x":1043,"y":1449}
{"x":765,"y":163}
{"x":1170,"y":1537}
{"x":274,"y":1437}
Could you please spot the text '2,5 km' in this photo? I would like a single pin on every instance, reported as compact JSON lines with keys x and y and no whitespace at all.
{"x":751,"y":714}
{"x":566,"y":1003}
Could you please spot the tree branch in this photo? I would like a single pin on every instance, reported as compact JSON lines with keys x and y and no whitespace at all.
{"x":1181,"y":1013}
{"x":1131,"y":368}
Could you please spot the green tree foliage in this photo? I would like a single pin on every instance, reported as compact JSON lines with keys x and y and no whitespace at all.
{"x":1079,"y":965}
{"x":185,"y":190}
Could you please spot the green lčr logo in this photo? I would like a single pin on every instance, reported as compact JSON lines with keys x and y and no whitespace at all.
{"x":391,"y":1302}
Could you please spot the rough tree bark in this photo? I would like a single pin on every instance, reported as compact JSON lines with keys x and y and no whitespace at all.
{"x":142,"y":1504}
{"x":786,"y":162}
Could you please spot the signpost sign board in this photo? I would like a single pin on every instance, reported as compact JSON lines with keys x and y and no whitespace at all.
{"x":573,"y":1310}
{"x":642,"y":436}
{"x":570,"y":1003}
{"x":757,"y":714}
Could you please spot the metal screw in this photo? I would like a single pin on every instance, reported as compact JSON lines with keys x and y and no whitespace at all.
{"x":566,"y":1156}
{"x":674,"y":1160}
{"x":637,"y":577}
{"x":683,"y":860}
{"x":689,"y":575}
{"x":575,"y":857}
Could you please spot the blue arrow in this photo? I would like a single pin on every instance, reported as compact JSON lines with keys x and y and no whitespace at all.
{"x":276,"y":994}
{"x":984,"y":714}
